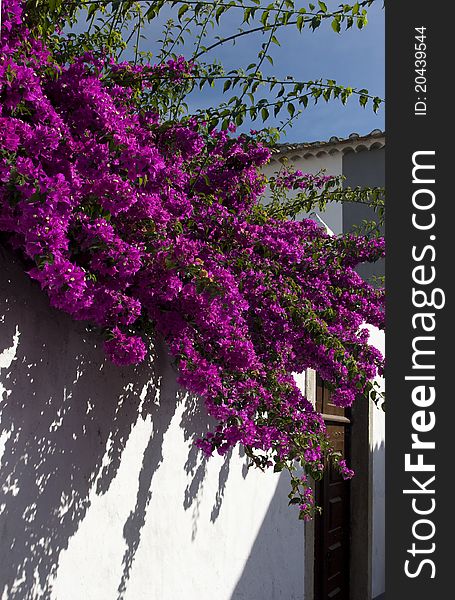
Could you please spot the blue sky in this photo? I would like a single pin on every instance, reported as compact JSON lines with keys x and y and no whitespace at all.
{"x":354,"y":57}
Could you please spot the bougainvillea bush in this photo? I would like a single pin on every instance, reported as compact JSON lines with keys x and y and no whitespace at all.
{"x":139,"y":226}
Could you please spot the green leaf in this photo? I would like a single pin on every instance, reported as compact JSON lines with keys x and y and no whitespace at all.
{"x":219,"y":12}
{"x":92,"y":9}
{"x":182,"y":10}
{"x":247,"y":14}
{"x":315,"y":22}
{"x":294,"y":501}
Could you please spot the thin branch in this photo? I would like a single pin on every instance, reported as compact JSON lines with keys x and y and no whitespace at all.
{"x":177,"y":39}
{"x":265,"y":80}
{"x":224,"y":4}
{"x":239,"y":34}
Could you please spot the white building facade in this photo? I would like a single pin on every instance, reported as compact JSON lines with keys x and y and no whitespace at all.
{"x":103,"y":494}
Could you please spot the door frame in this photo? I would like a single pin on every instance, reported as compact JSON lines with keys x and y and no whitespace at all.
{"x":360,"y":503}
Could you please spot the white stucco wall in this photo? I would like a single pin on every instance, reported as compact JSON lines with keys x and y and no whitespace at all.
{"x":332,"y":216}
{"x":103,"y":496}
{"x":377,"y":446}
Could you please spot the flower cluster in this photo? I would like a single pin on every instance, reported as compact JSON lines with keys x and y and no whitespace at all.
{"x":137,"y":225}
{"x":297,"y":180}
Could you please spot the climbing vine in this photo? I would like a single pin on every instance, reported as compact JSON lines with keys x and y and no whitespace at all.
{"x":140,"y":225}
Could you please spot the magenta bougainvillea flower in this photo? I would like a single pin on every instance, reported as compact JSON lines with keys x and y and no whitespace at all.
{"x":134,"y":225}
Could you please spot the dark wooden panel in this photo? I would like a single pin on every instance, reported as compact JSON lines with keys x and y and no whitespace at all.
{"x":319,"y":394}
{"x":332,"y":494}
{"x":323,"y":400}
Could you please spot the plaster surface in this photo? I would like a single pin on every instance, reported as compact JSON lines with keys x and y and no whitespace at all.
{"x":103,"y":495}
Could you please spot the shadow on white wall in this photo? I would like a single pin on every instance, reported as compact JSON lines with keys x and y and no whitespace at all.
{"x":66,"y":416}
{"x":103,"y":494}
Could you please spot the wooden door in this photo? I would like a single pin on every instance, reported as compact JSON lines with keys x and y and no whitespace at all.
{"x":332,"y":532}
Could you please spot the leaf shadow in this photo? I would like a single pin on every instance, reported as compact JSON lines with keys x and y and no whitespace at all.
{"x":66,"y":415}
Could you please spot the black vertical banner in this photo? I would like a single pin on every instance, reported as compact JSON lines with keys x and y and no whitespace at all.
{"x":420,"y":230}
